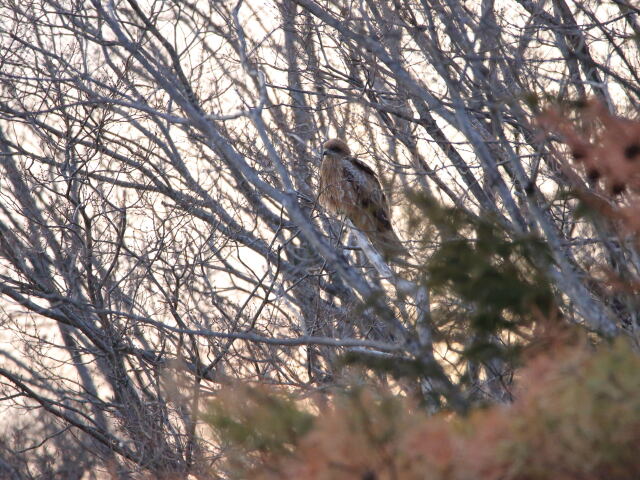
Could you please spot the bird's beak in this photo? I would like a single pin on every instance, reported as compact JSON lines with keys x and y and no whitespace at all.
{"x":324,"y":152}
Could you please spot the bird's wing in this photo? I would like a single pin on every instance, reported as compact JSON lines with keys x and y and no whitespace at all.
{"x":371,"y":211}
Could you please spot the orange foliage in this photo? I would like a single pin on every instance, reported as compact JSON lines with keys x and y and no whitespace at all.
{"x":607,"y":146}
{"x":577,"y":416}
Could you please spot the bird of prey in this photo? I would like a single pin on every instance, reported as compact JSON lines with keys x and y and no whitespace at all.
{"x":348,"y":186}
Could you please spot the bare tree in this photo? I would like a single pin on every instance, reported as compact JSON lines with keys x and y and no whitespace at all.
{"x":159,"y":230}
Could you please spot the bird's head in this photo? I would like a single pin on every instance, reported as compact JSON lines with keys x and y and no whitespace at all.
{"x":335,"y":147}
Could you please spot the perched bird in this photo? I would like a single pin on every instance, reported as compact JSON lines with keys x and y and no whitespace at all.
{"x":348,"y":186}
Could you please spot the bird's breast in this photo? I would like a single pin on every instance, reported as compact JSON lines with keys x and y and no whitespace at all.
{"x":335,"y":191}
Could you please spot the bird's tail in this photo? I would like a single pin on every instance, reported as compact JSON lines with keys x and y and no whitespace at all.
{"x":389,"y":245}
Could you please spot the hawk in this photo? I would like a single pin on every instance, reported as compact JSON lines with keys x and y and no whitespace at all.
{"x":349,"y":186}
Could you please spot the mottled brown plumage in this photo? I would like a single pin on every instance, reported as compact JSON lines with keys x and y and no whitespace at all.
{"x":348,"y":186}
